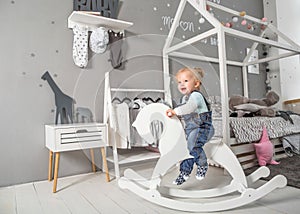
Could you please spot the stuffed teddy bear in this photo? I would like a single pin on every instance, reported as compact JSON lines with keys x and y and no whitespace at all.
{"x":271,"y":99}
{"x":243,"y":106}
{"x":237,"y":100}
{"x":264,"y":150}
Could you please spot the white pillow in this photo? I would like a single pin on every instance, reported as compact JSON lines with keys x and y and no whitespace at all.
{"x":249,"y":107}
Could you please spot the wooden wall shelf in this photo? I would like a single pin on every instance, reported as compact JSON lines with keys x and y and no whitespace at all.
{"x":292,"y":101}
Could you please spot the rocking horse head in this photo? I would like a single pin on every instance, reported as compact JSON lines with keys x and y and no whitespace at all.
{"x":146,"y":116}
{"x":172,"y":140}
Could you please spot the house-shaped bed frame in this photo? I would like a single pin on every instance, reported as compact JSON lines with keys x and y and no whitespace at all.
{"x":221,"y":31}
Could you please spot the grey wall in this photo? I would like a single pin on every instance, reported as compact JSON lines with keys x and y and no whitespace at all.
{"x":35,"y":39}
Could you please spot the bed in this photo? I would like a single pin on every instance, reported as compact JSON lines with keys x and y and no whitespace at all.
{"x":242,"y":146}
{"x":248,"y":130}
{"x":244,"y":131}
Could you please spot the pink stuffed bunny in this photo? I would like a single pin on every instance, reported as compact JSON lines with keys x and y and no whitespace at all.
{"x":264,"y":150}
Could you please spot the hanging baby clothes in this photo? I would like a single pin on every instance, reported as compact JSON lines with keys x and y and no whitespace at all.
{"x":135,"y":139}
{"x":99,"y":40}
{"x":80,"y":45}
{"x":115,"y":41}
{"x":122,"y":125}
{"x":123,"y":115}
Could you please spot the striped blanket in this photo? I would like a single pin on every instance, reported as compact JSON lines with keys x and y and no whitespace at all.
{"x":249,"y":129}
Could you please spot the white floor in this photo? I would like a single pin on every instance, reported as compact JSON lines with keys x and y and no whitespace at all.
{"x":90,"y":193}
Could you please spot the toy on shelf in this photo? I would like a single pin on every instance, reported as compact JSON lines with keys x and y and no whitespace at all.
{"x":83,"y":115}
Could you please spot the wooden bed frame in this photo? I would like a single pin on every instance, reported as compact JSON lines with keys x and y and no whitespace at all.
{"x":245,"y":152}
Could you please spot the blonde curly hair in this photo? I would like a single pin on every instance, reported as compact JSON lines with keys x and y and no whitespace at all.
{"x":197,"y":73}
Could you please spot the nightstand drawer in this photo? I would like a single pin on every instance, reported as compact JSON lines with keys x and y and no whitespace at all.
{"x":81,"y":134}
{"x":75,"y":136}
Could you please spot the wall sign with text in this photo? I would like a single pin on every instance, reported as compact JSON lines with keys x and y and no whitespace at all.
{"x":107,"y":8}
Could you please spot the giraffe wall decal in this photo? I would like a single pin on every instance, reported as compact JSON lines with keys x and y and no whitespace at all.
{"x":64,"y":103}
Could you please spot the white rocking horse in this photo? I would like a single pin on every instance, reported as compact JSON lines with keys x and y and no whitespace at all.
{"x":173,"y":148}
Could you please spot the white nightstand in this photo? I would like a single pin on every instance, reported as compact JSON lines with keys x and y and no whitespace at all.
{"x":71,"y":137}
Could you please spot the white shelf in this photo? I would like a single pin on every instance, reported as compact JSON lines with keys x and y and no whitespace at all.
{"x":136,"y":90}
{"x":131,"y":158}
{"x":95,"y":21}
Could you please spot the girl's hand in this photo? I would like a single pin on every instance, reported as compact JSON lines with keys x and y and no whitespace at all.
{"x":170,"y":113}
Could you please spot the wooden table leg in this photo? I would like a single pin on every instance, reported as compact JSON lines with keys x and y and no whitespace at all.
{"x":93,"y":160}
{"x":50,"y":166}
{"x":105,"y":164}
{"x":56,"y":171}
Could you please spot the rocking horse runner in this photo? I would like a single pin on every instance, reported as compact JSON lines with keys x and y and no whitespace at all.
{"x":173,"y":149}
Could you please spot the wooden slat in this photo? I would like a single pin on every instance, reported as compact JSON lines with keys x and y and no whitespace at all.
{"x":247,"y":158}
{"x":242,"y":148}
{"x":100,"y":199}
{"x":276,"y":141}
{"x":76,"y":202}
{"x":246,"y":152}
{"x":278,"y":149}
{"x":51,"y":203}
{"x":27,"y":199}
{"x":7,"y":200}
{"x":249,"y":165}
{"x":136,"y":205}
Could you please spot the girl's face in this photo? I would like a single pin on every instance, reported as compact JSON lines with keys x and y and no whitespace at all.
{"x":187,"y":83}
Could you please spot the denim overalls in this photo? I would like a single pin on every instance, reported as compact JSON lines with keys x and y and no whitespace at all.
{"x":199,"y":130}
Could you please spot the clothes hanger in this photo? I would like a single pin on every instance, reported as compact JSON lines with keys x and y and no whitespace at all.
{"x":116,"y":99}
{"x":148,"y":98}
{"x":126,"y":99}
{"x":158,"y":100}
{"x":136,"y":106}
